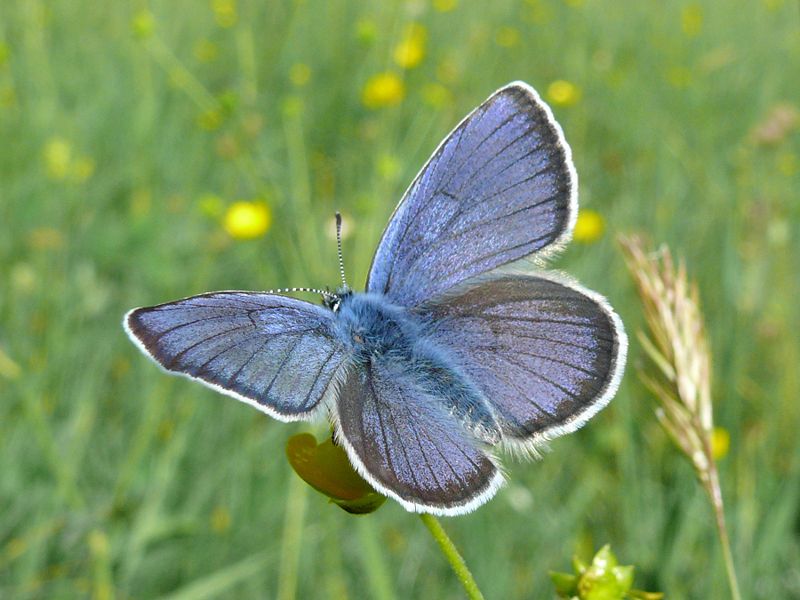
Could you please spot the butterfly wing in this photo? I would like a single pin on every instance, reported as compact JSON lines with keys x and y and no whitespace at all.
{"x":500,"y":187}
{"x":406,"y":444}
{"x":276,"y":353}
{"x":547,"y":353}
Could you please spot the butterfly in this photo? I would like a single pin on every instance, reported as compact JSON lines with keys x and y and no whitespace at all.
{"x":448,"y":355}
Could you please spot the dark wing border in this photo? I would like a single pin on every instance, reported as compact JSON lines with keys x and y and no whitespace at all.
{"x":481,"y":496}
{"x":558,"y":244}
{"x":322,"y":406}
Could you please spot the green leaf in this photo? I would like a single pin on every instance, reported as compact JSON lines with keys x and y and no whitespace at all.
{"x":565,"y":584}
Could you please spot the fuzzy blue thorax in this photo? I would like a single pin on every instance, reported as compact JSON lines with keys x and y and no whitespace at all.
{"x":377,"y":331}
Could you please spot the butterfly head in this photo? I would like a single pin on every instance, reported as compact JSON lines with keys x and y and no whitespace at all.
{"x":334,"y":301}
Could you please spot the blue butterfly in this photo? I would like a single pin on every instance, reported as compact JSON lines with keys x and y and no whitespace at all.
{"x":445,"y":357}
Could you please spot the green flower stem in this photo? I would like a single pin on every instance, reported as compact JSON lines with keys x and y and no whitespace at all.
{"x":453,"y":556}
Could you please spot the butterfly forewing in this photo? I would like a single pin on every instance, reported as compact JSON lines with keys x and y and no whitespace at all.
{"x":406,"y":445}
{"x":276,"y":353}
{"x":546,"y":353}
{"x":500,"y":187}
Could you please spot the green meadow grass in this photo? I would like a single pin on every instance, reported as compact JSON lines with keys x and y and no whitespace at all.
{"x":120,"y":148}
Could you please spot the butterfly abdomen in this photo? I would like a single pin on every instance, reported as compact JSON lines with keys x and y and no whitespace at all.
{"x":377,"y":331}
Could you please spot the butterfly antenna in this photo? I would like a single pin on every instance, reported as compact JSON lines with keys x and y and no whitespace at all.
{"x":339,"y":247}
{"x":323,"y":293}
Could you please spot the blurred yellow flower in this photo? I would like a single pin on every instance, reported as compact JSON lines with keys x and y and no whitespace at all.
{"x":245,"y":220}
{"x":225,"y":12}
{"x":8,"y":367}
{"x":679,"y":77}
{"x":220,"y":519}
{"x":563,"y":93}
{"x":388,"y":167}
{"x":60,"y":162}
{"x":46,"y":238}
{"x":411,"y":49}
{"x":366,"y":31}
{"x":589,"y":227}
{"x":788,"y":164}
{"x":383,"y":89}
{"x":507,"y":37}
{"x":205,"y":51}
{"x":300,"y":74}
{"x":436,"y":95}
{"x":692,"y":20}
{"x":211,"y":205}
{"x":444,"y":5}
{"x":82,"y":169}
{"x":210,"y":119}
{"x":448,"y":71}
{"x":720,"y":442}
{"x":143,"y":24}
{"x":57,"y":156}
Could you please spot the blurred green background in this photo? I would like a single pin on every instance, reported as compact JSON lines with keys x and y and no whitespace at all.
{"x":152,"y":150}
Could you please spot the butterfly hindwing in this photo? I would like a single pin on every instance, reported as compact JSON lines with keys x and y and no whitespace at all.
{"x":500,"y":187}
{"x":276,"y":353}
{"x":546,"y":353}
{"x":407,"y":445}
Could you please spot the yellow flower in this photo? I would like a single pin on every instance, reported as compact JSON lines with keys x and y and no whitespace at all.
{"x":210,"y":119}
{"x":563,"y":93}
{"x":411,"y":49}
{"x":720,"y":442}
{"x":143,"y":24}
{"x":437,"y":95}
{"x":692,"y":20}
{"x":300,"y":74}
{"x":57,"y":156}
{"x":245,"y":220}
{"x":444,"y":5}
{"x":220,"y":519}
{"x":388,"y":167}
{"x":82,"y":169}
{"x":788,"y":164}
{"x":590,"y":227}
{"x":383,"y":89}
{"x":508,"y":37}
{"x":9,"y":368}
{"x":225,"y":12}
{"x":366,"y":31}
{"x":210,"y":205}
{"x":205,"y":51}
{"x":679,"y":77}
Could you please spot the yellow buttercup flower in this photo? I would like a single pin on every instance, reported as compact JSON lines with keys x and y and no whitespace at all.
{"x":437,"y":95}
{"x":563,"y":93}
{"x":383,"y":89}
{"x":590,"y":227}
{"x":300,"y":74}
{"x":57,"y":156}
{"x":245,"y":220}
{"x":220,"y":519}
{"x":720,"y":442}
{"x":692,"y":20}
{"x":444,"y":5}
{"x":411,"y":49}
{"x":225,"y":12}
{"x":679,"y":77}
{"x":205,"y":51}
{"x":143,"y":24}
{"x":507,"y":37}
